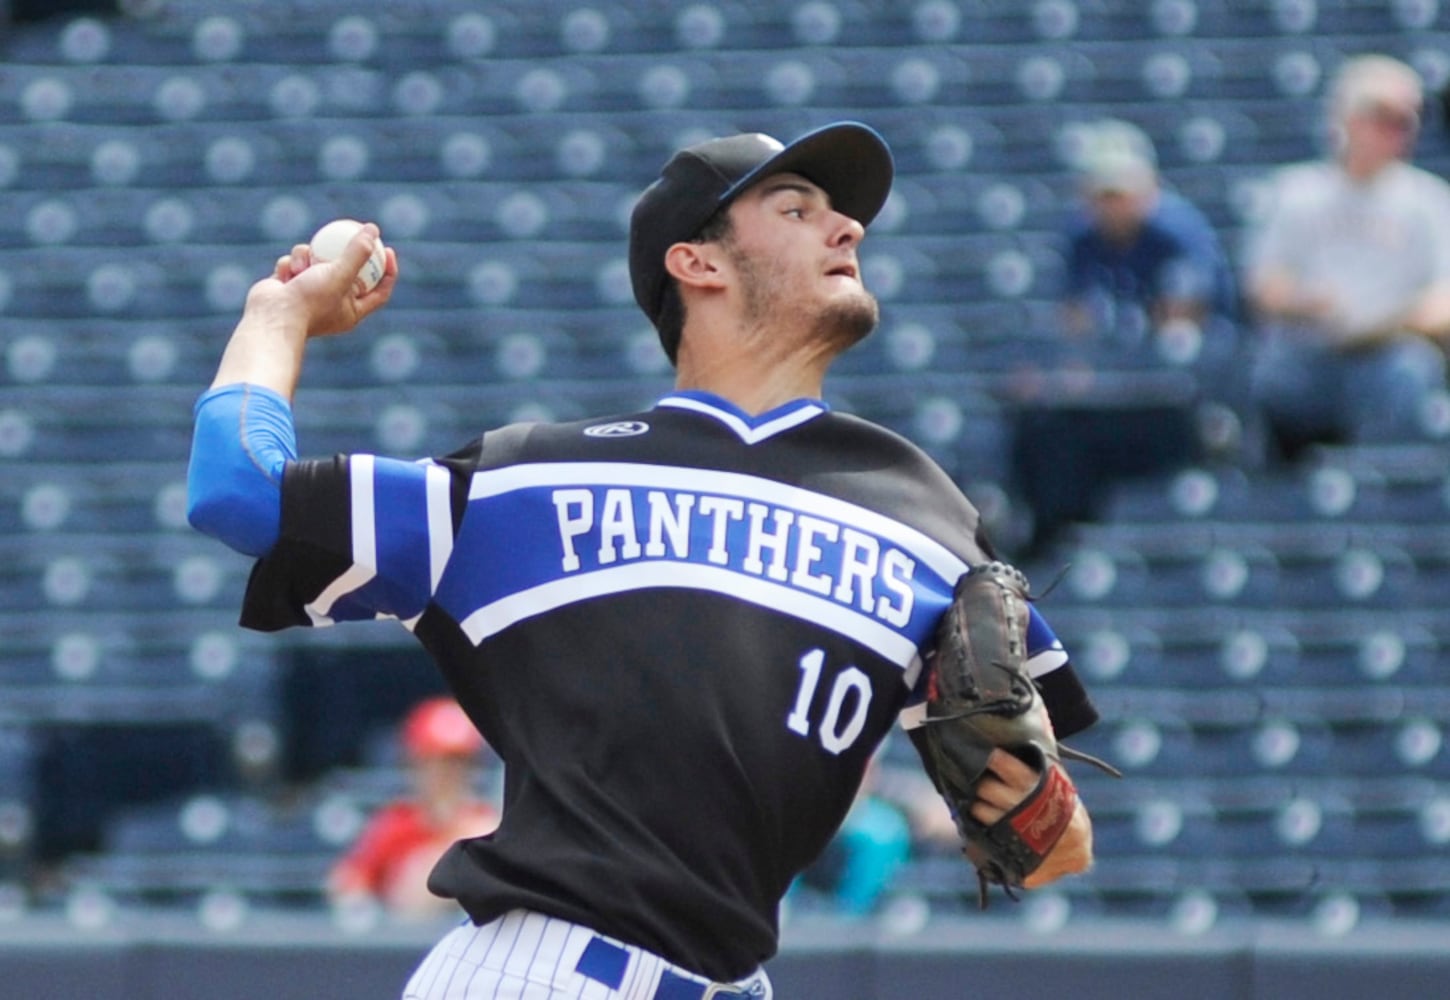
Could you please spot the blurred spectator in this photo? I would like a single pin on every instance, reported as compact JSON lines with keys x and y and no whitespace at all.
{"x":1149,"y":315}
{"x":855,"y":871}
{"x":390,"y":862}
{"x":1142,"y":262}
{"x":1349,"y":273}
{"x":930,"y":818}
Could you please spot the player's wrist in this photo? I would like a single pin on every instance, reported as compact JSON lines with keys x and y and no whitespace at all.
{"x":1071,"y":855}
{"x":265,"y":349}
{"x":276,"y":320}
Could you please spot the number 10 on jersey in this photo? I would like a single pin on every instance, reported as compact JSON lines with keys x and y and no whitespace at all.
{"x":835,"y":732}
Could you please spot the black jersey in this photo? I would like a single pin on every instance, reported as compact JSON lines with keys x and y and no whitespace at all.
{"x":684,"y":631}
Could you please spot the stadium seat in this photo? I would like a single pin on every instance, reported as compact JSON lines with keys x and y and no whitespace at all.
{"x":1364,"y":648}
{"x":119,"y":498}
{"x":1110,"y":573}
{"x":1193,"y":493}
{"x":1412,"y":746}
{"x":1297,"y":826}
{"x":184,"y":850}
{"x":1376,"y":575}
{"x":1230,"y":574}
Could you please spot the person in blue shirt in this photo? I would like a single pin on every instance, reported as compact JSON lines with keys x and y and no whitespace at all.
{"x":1143,"y":265}
{"x":1149,"y":325}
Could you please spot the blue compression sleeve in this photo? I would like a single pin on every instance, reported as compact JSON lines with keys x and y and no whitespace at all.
{"x":243,"y":438}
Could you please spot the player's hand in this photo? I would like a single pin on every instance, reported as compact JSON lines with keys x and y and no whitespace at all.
{"x":322,"y":295}
{"x":1008,"y":782}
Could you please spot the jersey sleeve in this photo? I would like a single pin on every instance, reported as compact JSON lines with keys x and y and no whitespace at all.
{"x":361,"y":537}
{"x":1066,"y":700}
{"x":242,"y":440}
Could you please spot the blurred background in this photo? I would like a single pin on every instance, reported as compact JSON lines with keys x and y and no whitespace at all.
{"x":1269,"y":641}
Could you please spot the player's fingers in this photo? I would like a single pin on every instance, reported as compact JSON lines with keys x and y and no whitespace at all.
{"x":289,"y":265}
{"x":987,"y":815}
{"x":355,"y":256}
{"x":1007,"y":783}
{"x":993,"y":802}
{"x":376,"y":297}
{"x":360,"y":247}
{"x":1012,"y":770}
{"x":997,"y":794}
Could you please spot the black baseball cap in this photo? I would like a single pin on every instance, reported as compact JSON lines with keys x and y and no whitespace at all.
{"x":848,"y":160}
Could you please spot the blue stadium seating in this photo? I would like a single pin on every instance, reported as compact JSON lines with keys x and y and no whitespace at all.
{"x":185,"y":852}
{"x":18,"y":796}
{"x":1225,"y":615}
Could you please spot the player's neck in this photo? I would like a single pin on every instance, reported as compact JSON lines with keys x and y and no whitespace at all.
{"x":754,"y":387}
{"x":759,"y":359}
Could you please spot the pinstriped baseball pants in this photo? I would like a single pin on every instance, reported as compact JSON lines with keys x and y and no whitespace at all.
{"x":529,"y":956}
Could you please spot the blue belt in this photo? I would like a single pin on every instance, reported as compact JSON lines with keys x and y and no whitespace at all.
{"x":605,"y":962}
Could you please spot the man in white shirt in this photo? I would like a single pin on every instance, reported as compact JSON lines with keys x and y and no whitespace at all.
{"x":1349,"y":273}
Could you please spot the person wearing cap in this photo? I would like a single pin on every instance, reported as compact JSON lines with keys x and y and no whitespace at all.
{"x":388,"y":864}
{"x":1140,"y":258}
{"x":1348,"y":273}
{"x":685,"y":630}
{"x":1147,"y":286}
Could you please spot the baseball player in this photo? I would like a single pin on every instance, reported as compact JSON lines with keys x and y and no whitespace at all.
{"x":683,"y":630}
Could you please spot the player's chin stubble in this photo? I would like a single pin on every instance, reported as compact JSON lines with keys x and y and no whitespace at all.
{"x":841,"y":323}
{"x":848,"y":323}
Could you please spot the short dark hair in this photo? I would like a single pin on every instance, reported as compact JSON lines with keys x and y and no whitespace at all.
{"x":670,"y":323}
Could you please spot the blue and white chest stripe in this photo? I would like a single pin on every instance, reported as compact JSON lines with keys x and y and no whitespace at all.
{"x":538,"y":537}
{"x":541,"y":536}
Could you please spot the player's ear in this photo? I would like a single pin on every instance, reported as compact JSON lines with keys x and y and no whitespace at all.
{"x":696,"y":265}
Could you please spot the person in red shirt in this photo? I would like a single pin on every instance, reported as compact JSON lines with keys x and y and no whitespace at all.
{"x":388,"y":864}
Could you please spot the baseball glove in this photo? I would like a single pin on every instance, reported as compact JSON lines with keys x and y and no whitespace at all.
{"x":980,"y":697}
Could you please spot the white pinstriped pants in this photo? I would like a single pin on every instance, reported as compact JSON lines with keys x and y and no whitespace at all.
{"x":529,"y":956}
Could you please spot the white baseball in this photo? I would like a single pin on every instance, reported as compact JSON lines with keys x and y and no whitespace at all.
{"x":329,"y":242}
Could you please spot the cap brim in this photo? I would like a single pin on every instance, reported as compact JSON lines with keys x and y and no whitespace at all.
{"x":848,"y":160}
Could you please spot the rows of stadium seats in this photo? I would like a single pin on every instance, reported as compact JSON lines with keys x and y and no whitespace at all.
{"x":1312,"y":568}
{"x":1258,"y":818}
{"x":1266,"y":648}
{"x":1269,"y":649}
{"x":1323,"y":649}
{"x":194,"y":31}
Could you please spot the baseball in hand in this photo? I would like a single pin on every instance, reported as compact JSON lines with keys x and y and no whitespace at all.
{"x":329,"y":242}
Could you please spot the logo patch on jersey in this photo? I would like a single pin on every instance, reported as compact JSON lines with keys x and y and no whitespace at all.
{"x":617,"y":429}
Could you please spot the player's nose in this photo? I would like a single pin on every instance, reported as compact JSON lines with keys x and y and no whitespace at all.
{"x":846,"y":231}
